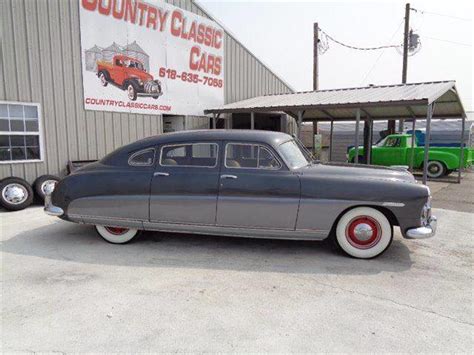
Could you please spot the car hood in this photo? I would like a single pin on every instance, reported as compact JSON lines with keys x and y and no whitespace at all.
{"x":366,"y":172}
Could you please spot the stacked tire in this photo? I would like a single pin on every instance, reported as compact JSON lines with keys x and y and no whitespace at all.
{"x":17,"y":194}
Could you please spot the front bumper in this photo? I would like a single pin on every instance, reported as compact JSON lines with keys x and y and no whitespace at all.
{"x":51,"y":209}
{"x":426,"y":231}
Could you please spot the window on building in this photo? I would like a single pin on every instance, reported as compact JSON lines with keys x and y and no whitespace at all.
{"x":195,"y":154}
{"x":20,"y":136}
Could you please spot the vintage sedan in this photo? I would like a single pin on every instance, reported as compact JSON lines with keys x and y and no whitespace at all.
{"x":242,"y":183}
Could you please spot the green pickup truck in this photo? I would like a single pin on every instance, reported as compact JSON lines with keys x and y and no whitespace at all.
{"x":395,"y":149}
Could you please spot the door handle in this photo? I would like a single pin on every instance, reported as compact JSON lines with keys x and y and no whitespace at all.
{"x":161,"y":174}
{"x":225,"y":176}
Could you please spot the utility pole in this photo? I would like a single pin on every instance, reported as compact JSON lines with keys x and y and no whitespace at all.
{"x":315,"y":56}
{"x":406,"y":35}
{"x":315,"y":71}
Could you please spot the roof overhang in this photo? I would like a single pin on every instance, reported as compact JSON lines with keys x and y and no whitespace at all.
{"x":406,"y":101}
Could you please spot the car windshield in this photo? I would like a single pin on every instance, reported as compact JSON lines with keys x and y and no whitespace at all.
{"x":381,"y":142}
{"x":293,"y":155}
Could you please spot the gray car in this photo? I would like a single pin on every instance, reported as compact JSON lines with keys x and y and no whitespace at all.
{"x":242,"y":183}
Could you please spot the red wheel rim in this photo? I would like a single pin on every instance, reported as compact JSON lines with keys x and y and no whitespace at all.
{"x":116,"y":230}
{"x":363,"y":232}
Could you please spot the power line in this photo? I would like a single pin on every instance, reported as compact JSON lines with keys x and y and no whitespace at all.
{"x":381,"y":54}
{"x":448,"y":41}
{"x":359,"y":48}
{"x":443,"y":15}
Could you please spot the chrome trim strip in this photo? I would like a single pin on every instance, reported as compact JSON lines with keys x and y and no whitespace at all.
{"x":393,"y":204}
{"x":426,"y":231}
{"x":228,"y":231}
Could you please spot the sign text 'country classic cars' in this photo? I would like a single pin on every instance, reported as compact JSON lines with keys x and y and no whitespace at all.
{"x":169,"y":59}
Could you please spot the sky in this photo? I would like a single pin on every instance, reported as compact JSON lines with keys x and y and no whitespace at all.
{"x":280,"y":34}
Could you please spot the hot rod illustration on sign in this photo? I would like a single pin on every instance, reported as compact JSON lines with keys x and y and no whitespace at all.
{"x":129,"y":74}
{"x":242,"y":183}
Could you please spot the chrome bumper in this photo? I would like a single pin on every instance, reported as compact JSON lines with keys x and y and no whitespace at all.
{"x":422,"y":232}
{"x":50,"y":209}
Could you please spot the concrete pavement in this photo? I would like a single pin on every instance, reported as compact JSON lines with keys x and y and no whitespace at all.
{"x":66,"y":290}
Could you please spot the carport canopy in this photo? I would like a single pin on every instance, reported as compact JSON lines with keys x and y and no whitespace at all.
{"x":437,"y":99}
{"x":385,"y":102}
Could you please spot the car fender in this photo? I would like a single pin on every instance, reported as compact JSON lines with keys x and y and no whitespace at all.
{"x":449,"y":159}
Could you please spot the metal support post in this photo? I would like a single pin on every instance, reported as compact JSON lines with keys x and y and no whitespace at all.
{"x":461,"y":154}
{"x":300,"y":123}
{"x":427,"y":143}
{"x":356,"y":143}
{"x":413,"y":138}
{"x":331,"y":132}
{"x":252,"y":120}
{"x":371,"y":138}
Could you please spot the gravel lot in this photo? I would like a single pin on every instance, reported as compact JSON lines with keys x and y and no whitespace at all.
{"x":65,"y":290}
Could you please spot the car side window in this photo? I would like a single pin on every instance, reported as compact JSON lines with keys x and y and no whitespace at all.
{"x":144,"y":157}
{"x":250,"y":156}
{"x":193,"y":155}
{"x":392,"y":142}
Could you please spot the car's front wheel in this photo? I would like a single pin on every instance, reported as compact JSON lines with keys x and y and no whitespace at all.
{"x":131,"y":92}
{"x":116,"y":235}
{"x":364,"y":232}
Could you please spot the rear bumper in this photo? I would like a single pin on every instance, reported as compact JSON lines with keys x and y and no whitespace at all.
{"x":51,"y":209}
{"x":426,"y":231}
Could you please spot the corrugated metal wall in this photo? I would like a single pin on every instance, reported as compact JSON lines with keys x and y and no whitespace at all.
{"x":40,"y":59}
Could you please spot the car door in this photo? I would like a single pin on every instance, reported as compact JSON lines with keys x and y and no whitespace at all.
{"x":185,"y":184}
{"x":390,"y":153}
{"x":118,"y":71}
{"x":256,"y":190}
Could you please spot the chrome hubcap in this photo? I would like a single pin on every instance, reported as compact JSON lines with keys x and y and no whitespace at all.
{"x":130,"y":92}
{"x":102,"y":79}
{"x":363,"y":231}
{"x":14,"y":194}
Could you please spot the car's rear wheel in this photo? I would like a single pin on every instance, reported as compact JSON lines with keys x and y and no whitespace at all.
{"x":116,"y":235}
{"x":435,"y":169}
{"x":364,"y":232}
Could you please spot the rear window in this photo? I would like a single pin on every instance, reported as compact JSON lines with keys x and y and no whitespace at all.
{"x":190,"y":154}
{"x":144,"y":157}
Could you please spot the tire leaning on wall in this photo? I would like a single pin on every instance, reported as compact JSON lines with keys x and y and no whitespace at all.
{"x":44,"y":183}
{"x":15,"y":193}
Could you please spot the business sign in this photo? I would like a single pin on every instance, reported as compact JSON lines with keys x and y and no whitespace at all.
{"x":150,"y":57}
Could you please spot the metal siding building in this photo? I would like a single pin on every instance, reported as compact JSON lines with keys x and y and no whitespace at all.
{"x":40,"y":59}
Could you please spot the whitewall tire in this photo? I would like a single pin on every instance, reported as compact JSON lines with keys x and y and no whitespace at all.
{"x":435,"y":169}
{"x":364,"y":233}
{"x":116,"y":235}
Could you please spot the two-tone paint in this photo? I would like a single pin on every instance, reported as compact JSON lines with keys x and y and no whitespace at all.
{"x":302,"y":203}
